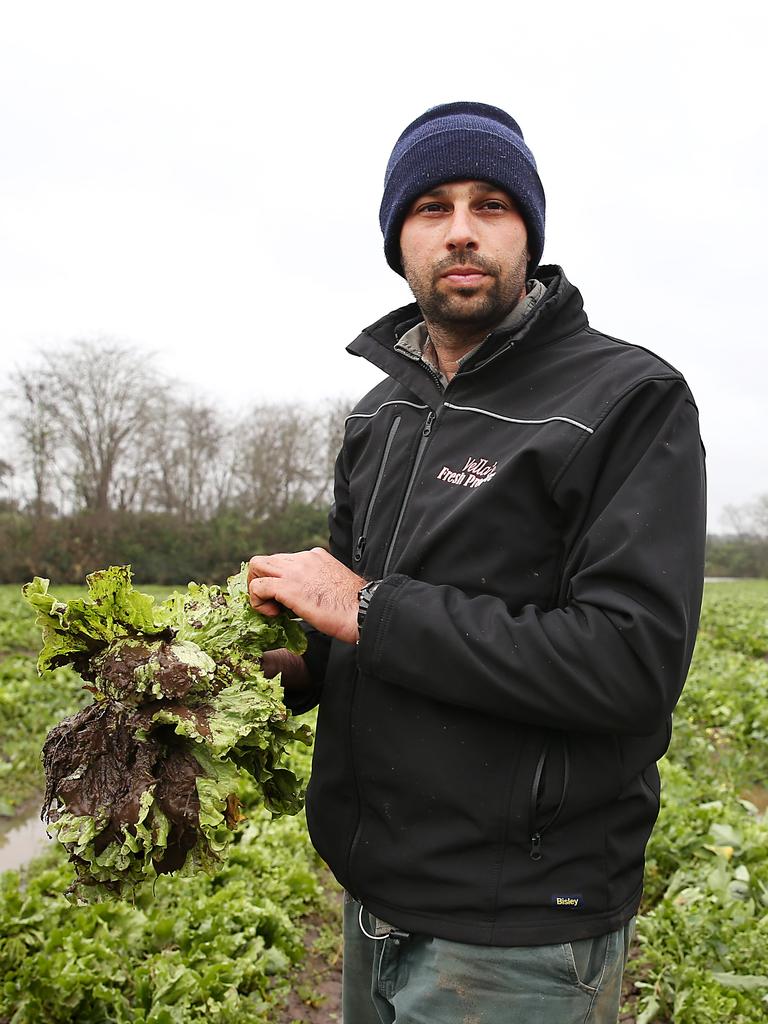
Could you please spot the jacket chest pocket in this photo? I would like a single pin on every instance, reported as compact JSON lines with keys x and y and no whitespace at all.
{"x":366,"y":519}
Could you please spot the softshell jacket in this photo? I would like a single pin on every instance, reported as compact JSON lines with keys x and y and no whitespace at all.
{"x":484,"y":768}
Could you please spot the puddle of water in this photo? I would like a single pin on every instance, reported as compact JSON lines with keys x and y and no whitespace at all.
{"x":22,"y":842}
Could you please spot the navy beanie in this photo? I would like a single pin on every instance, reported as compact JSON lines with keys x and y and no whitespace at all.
{"x":457,"y":141}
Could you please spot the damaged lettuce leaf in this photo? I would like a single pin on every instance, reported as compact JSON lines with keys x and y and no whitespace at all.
{"x":113,"y":609}
{"x":143,"y":780}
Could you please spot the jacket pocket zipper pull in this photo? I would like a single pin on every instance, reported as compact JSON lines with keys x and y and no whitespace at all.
{"x":536,"y":846}
{"x":359,"y":547}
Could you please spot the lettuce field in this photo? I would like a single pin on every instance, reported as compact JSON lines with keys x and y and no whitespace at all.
{"x":257,"y":941}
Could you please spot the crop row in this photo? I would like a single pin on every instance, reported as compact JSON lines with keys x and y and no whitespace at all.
{"x":735,"y":617}
{"x":219,"y":948}
{"x":215,"y":949}
{"x":18,"y":632}
{"x":28,"y":707}
{"x":704,"y":927}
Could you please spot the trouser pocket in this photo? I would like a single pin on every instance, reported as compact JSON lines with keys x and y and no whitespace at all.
{"x":596,"y":967}
{"x":587,"y":958}
{"x":391,"y":970}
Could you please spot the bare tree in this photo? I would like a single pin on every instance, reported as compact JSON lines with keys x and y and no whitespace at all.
{"x":98,"y":424}
{"x":335,"y":412}
{"x":750,"y":520}
{"x":99,"y":398}
{"x":6,"y":475}
{"x":281,"y":458}
{"x":190,"y":460}
{"x":36,"y":433}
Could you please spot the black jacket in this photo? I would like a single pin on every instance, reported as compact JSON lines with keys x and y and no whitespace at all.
{"x":484,"y":767}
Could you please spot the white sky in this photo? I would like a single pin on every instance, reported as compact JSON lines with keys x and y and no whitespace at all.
{"x":202,"y":181}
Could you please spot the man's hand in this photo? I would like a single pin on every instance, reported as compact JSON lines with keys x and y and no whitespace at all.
{"x":313,"y":585}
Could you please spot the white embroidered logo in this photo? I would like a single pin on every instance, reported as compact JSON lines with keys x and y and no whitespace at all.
{"x":474,"y":473}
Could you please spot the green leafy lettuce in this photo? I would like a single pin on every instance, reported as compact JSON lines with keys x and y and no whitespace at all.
{"x":142,"y":781}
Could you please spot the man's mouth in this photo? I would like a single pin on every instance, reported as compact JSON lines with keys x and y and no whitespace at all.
{"x":464,"y":276}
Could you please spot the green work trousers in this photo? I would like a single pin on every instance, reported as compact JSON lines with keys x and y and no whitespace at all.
{"x":395,"y":978}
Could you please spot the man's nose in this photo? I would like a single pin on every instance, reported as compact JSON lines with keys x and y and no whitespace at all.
{"x":461,"y":233}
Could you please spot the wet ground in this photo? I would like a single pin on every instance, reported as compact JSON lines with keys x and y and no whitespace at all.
{"x":22,"y":837}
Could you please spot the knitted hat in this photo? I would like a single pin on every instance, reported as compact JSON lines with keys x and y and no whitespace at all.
{"x":457,"y":141}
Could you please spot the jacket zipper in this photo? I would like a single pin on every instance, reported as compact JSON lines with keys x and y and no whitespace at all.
{"x":425,"y":433}
{"x":361,"y":540}
{"x":434,"y":374}
{"x":423,"y":441}
{"x":536,"y":834}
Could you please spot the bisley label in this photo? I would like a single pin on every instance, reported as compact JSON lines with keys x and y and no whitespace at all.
{"x":566,"y":900}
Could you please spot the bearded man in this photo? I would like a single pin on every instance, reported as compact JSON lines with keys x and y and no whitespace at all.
{"x":505,"y":618}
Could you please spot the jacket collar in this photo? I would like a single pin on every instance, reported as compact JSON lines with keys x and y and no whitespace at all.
{"x":559,"y":312}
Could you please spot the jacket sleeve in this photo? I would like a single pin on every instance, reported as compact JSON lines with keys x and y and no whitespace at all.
{"x":613,"y":653}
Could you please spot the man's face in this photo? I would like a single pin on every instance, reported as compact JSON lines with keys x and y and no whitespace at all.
{"x":464,"y":252}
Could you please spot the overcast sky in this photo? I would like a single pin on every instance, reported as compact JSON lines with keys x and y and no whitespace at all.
{"x":202,"y":182}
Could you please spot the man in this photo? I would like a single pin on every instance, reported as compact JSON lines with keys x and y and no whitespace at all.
{"x":511,"y":596}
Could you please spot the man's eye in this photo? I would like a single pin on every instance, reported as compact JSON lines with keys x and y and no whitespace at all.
{"x":431,"y":208}
{"x":493,"y":204}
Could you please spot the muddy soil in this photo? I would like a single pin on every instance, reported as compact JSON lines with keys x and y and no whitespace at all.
{"x":315,"y":995}
{"x":757,"y":795}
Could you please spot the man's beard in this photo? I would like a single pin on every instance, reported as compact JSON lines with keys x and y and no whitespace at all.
{"x":457,"y":308}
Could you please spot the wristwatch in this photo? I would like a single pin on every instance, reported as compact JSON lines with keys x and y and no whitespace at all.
{"x":363,"y":601}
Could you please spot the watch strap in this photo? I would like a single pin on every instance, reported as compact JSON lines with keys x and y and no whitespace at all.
{"x":364,"y":597}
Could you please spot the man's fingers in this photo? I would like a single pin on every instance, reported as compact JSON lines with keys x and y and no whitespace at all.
{"x":259,"y":566}
{"x":267,"y":565}
{"x":263,"y":595}
{"x":268,"y":608}
{"x":262,"y":580}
